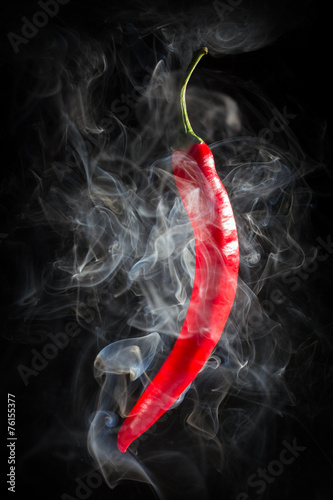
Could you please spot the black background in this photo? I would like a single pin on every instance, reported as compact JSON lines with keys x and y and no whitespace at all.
{"x":294,"y":70}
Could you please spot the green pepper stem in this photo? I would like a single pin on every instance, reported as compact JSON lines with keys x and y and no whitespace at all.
{"x":185,"y":119}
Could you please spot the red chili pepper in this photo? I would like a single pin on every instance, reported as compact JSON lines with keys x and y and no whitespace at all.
{"x":216,"y":272}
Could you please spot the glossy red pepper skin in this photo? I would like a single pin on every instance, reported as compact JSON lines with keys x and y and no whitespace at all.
{"x":216,"y":272}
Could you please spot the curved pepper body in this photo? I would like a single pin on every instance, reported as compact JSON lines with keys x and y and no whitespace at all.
{"x":216,"y":272}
